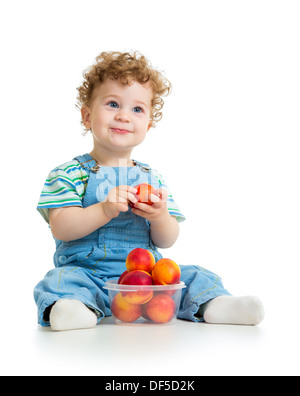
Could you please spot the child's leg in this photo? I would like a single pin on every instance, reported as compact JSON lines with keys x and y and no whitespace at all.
{"x":70,"y":298}
{"x":206,"y":299}
{"x":69,"y":314}
{"x":247,"y":310}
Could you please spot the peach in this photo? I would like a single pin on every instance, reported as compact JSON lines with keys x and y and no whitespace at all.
{"x":166,"y":272}
{"x":143,"y":194}
{"x":144,"y":312}
{"x":123,"y":310}
{"x":140,"y":259}
{"x":137,"y":278}
{"x":122,"y":276}
{"x":161,"y":308}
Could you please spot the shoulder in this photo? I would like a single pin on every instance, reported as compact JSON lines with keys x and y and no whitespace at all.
{"x":71,"y":170}
{"x":158,"y":176}
{"x":64,"y":186}
{"x":69,"y":167}
{"x":154,"y":172}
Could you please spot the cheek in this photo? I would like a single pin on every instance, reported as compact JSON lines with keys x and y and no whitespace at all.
{"x":143,"y":122}
{"x":143,"y":127}
{"x":142,"y":135}
{"x":100,"y":118}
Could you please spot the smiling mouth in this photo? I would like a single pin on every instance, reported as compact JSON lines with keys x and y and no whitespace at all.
{"x":120,"y":131}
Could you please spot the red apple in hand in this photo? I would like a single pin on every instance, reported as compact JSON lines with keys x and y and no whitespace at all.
{"x":143,"y":194}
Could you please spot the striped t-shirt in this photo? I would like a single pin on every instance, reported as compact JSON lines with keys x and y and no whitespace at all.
{"x":66,"y":185}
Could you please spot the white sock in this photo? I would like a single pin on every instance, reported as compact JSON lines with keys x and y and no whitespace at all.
{"x":247,"y":310}
{"x":70,"y":315}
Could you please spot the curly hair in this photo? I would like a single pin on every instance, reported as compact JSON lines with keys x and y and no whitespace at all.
{"x":125,"y":67}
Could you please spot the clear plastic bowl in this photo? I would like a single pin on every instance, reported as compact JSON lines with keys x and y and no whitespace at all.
{"x":157,"y":304}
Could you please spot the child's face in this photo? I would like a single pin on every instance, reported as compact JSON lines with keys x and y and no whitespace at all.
{"x":119,"y":115}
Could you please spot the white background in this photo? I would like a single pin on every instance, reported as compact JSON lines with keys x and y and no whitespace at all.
{"x":228,"y":146}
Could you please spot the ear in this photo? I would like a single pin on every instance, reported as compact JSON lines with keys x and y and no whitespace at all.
{"x":149,"y":126}
{"x":86,"y":116}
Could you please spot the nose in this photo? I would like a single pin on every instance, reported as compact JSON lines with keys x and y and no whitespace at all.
{"x":122,"y":116}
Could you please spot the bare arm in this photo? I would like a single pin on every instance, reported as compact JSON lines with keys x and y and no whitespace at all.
{"x":164,"y":234}
{"x":68,"y":224}
{"x":164,"y":228}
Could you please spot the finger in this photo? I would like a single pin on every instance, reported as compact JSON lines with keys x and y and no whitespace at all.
{"x":143,"y":207}
{"x":131,"y":189}
{"x":120,"y":196}
{"x":118,"y":199}
{"x":125,"y":196}
{"x":132,"y":198}
{"x":154,"y":198}
{"x":140,"y":213}
{"x":163,"y":194}
{"x":123,"y":207}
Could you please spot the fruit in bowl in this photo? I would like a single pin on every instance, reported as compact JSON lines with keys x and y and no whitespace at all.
{"x":140,"y":278}
{"x":123,"y":310}
{"x":146,"y":290}
{"x":161,"y":308}
{"x":166,"y":272}
{"x":140,"y":259}
{"x":122,"y":276}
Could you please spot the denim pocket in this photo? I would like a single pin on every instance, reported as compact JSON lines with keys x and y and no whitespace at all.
{"x":77,"y":255}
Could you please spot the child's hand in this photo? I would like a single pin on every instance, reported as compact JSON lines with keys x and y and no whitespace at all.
{"x":153,"y":213}
{"x":117,"y":200}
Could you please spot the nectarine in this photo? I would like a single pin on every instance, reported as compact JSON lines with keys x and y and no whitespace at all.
{"x":143,"y":194}
{"x":144,"y":312}
{"x":166,"y":272}
{"x":123,"y":310}
{"x":140,"y":259}
{"x":137,"y":278}
{"x":161,"y":308}
{"x":122,"y":276}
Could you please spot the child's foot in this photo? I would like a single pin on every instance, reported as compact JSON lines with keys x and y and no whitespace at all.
{"x":246,"y":310}
{"x":70,"y":315}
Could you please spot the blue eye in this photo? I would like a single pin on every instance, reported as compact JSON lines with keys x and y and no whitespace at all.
{"x":138,"y":109}
{"x":113,"y":104}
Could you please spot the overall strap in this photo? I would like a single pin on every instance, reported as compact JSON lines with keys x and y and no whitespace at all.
{"x":88,"y":163}
{"x":144,"y":167}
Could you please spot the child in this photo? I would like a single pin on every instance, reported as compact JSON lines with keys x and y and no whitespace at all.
{"x":86,"y":203}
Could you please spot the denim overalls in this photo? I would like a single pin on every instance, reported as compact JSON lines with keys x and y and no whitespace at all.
{"x":84,"y":265}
